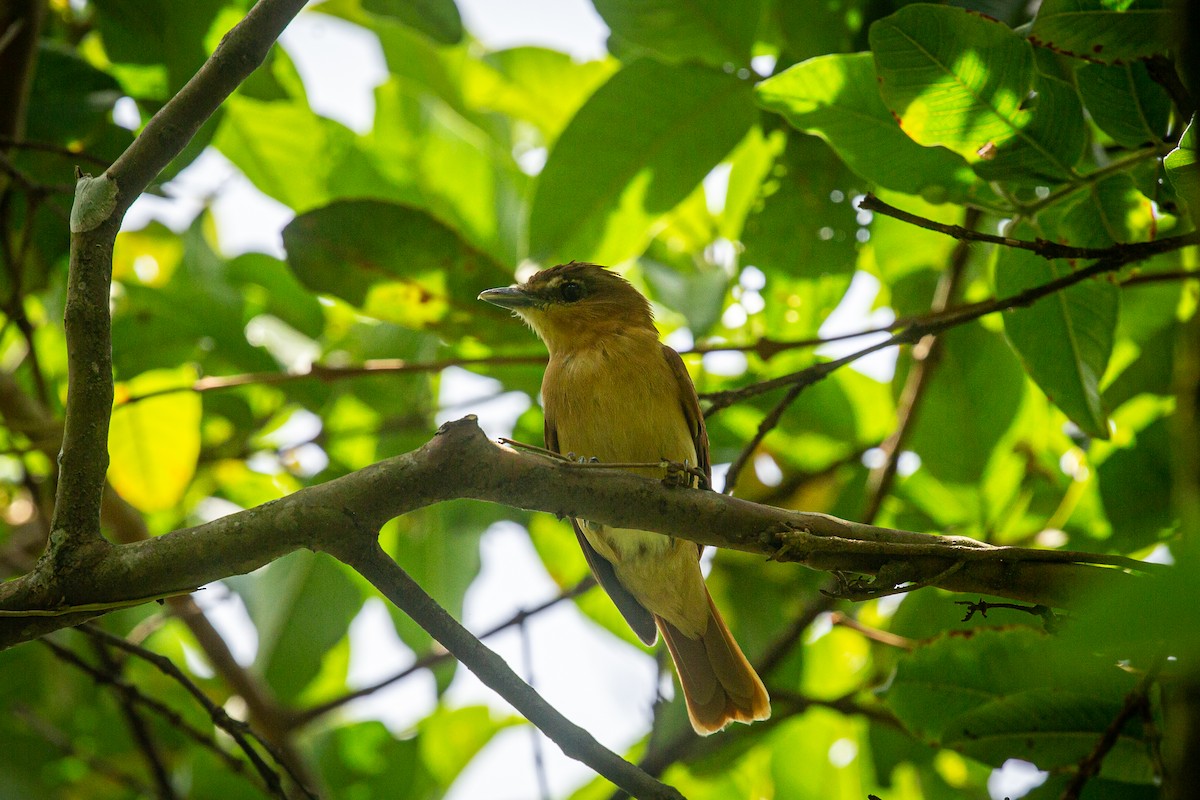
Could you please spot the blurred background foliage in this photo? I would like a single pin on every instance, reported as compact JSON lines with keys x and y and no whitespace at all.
{"x":715,"y":158}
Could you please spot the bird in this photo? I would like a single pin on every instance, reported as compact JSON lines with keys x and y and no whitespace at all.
{"x":612,"y":392}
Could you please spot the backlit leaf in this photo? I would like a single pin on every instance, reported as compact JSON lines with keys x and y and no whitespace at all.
{"x":153,"y":444}
{"x":969,"y":83}
{"x":1100,"y":31}
{"x":1064,"y":339}
{"x":607,"y":181}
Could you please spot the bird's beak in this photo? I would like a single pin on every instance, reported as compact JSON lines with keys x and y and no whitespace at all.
{"x":508,"y":297}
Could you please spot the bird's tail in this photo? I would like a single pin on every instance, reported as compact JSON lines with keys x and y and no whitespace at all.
{"x":718,"y":682}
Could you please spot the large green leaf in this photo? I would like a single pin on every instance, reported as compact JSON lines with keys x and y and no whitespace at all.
{"x":1052,"y":728}
{"x":395,"y":261}
{"x":302,"y":605}
{"x":837,"y":98}
{"x":1125,"y":102}
{"x":1065,"y":339}
{"x":543,"y":86}
{"x":710,"y":31}
{"x":940,"y":682}
{"x":636,"y":148}
{"x":1183,"y":166}
{"x":969,"y":83}
{"x":971,"y":400}
{"x":74,"y":97}
{"x":365,"y":760}
{"x":437,"y":19}
{"x":153,"y":444}
{"x":158,"y":32}
{"x":1112,"y":210}
{"x":286,"y":150}
{"x":796,"y":227}
{"x":1136,"y":484}
{"x":1103,"y":30}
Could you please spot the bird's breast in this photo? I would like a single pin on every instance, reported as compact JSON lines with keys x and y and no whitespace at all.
{"x":618,"y":404}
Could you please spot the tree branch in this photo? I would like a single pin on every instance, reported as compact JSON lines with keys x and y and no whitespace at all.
{"x":100,"y":205}
{"x":364,"y":555}
{"x":1117,"y":257}
{"x":239,"y":731}
{"x":460,"y":462}
{"x":343,"y":517}
{"x":925,"y":356}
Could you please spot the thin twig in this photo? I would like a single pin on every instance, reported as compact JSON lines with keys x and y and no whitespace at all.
{"x":925,"y":357}
{"x":1117,"y":257}
{"x":50,"y":147}
{"x":362,"y":552}
{"x":172,"y":717}
{"x":137,"y":725}
{"x":888,"y":638}
{"x":1135,"y":704}
{"x":239,"y":731}
{"x":430,"y":660}
{"x":1131,"y":251}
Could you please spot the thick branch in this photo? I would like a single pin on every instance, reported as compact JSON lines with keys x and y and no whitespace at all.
{"x":460,"y":462}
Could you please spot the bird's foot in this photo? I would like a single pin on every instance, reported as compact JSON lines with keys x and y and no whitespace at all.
{"x":677,"y":473}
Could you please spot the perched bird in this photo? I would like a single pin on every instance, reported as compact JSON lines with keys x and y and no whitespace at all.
{"x":614,"y":393}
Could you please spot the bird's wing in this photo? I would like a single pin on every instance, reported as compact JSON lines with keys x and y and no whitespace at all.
{"x":691,"y":410}
{"x":641,"y":620}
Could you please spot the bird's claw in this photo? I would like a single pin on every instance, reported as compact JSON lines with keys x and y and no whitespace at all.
{"x":683,"y":474}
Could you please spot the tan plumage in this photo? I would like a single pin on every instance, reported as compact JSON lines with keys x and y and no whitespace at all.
{"x":613,"y":392}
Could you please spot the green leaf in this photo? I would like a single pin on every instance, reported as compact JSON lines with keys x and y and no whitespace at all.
{"x":969,"y":83}
{"x":1125,"y":102}
{"x":952,"y":676}
{"x":153,"y":444}
{"x":1111,"y":211}
{"x":699,"y":294}
{"x":158,"y":32}
{"x":1182,"y":167}
{"x":364,"y":760}
{"x":437,"y":19}
{"x":796,"y":227}
{"x":286,"y":150}
{"x":813,"y":29}
{"x":969,"y":403}
{"x":607,"y":181}
{"x":1136,"y":485}
{"x":713,"y":32}
{"x":1052,"y":728}
{"x":449,"y":739}
{"x":73,"y":97}
{"x":1100,"y":30}
{"x":395,"y":261}
{"x":1065,"y":339}
{"x":301,"y":605}
{"x":543,"y":86}
{"x":837,"y":98}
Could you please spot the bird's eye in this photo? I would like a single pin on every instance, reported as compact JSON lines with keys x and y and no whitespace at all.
{"x":572,"y":291}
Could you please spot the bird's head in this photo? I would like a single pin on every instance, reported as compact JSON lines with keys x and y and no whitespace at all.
{"x":572,"y":305}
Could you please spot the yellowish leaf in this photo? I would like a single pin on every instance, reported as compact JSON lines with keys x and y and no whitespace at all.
{"x":153,"y":444}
